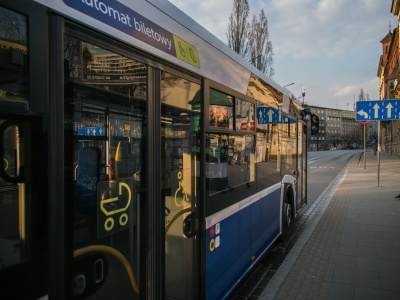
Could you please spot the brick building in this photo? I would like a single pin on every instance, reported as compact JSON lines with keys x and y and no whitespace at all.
{"x":389,"y":88}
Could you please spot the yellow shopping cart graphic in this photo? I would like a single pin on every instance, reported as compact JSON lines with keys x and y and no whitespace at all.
{"x":116,"y":202}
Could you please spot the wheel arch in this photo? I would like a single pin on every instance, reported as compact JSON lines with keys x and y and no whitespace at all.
{"x":289,"y":191}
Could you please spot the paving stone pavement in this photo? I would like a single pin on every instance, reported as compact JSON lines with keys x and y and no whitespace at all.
{"x":352,"y":249}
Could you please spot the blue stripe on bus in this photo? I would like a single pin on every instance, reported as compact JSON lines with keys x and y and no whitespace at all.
{"x":221,"y":215}
{"x":229,"y":251}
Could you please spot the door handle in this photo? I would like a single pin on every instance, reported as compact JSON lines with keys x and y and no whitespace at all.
{"x":19,"y":176}
{"x":191,"y":225}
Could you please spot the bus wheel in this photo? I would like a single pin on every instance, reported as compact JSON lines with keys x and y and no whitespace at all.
{"x":287,"y":213}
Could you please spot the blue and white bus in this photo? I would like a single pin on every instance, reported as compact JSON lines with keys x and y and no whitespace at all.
{"x":142,"y":158}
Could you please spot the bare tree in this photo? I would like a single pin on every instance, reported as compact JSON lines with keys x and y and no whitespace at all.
{"x":238,"y":27}
{"x":347,"y":140}
{"x":72,"y":56}
{"x":353,"y":139}
{"x":250,"y":41}
{"x":87,"y":59}
{"x":13,"y":26}
{"x":335,"y":139}
{"x":361,"y":96}
{"x":260,"y":45}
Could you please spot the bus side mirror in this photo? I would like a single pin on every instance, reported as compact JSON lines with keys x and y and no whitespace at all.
{"x":314,"y":124}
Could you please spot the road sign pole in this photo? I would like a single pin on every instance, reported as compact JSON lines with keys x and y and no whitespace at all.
{"x":365,"y":146}
{"x":379,"y":110}
{"x":379,"y":148}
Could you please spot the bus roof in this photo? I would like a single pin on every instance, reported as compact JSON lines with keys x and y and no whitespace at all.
{"x":161,"y":29}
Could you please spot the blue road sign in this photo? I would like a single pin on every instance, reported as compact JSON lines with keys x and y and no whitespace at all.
{"x":268,"y":115}
{"x":93,"y":131}
{"x":286,"y":120}
{"x":378,"y":110}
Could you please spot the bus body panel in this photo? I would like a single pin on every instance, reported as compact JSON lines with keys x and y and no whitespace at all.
{"x":265,"y":222}
{"x":142,"y":31}
{"x":237,"y":238}
{"x":217,"y":61}
{"x":229,"y":257}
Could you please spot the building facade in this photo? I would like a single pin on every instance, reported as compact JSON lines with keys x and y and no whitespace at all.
{"x":338,"y":129}
{"x":389,"y":88}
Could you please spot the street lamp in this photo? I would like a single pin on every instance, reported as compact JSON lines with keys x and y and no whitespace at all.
{"x":303,"y":94}
{"x":288,"y":84}
{"x":300,"y":102}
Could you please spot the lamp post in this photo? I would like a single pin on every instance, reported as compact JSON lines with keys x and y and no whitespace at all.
{"x":288,"y":84}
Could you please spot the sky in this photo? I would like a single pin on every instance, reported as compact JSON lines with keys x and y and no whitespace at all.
{"x":331,"y":48}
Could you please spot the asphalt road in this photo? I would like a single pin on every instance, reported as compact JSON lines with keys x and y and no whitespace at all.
{"x":323,"y":167}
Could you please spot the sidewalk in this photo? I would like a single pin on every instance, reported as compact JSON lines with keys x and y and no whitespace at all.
{"x":351,"y":250}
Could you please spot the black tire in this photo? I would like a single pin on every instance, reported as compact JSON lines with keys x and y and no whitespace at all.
{"x":286,"y":213}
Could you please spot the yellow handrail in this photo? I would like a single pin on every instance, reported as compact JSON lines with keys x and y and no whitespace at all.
{"x":118,"y":255}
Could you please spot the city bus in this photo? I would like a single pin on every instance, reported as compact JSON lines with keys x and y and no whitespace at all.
{"x":142,"y":158}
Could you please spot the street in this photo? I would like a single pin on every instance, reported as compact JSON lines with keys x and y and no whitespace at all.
{"x":323,"y":167}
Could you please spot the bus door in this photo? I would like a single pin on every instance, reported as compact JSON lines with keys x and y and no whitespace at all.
{"x":179,"y":176}
{"x":105,"y":104}
{"x":302,"y":166}
{"x":23,"y":209}
{"x":23,"y":167}
{"x":303,"y":156}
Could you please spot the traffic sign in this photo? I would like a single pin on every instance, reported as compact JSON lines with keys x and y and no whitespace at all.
{"x":268,"y":115}
{"x":286,"y":120}
{"x":94,"y":131}
{"x":378,"y":110}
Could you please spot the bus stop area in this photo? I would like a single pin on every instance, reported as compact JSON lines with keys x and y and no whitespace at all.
{"x":350,"y":247}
